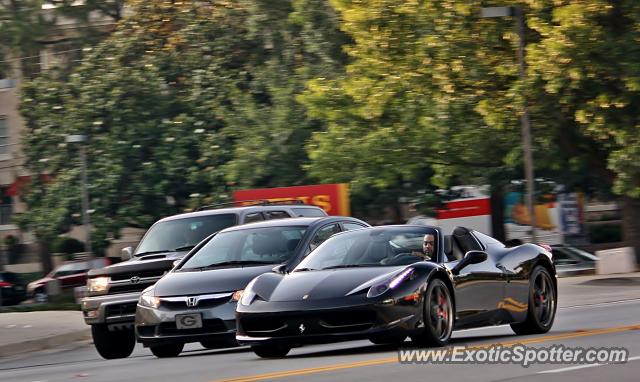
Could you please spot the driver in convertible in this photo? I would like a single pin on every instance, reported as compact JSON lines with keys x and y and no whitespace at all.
{"x":428,"y":245}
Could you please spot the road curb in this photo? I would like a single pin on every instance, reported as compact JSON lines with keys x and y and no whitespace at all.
{"x":44,"y":343}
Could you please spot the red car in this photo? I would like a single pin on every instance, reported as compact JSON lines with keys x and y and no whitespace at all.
{"x":70,"y":274}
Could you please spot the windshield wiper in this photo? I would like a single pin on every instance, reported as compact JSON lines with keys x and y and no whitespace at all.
{"x":152,"y":252}
{"x":185,"y":248}
{"x":350,"y":266}
{"x":226,"y":263}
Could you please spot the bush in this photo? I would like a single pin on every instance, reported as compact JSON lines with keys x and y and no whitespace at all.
{"x":605,"y":233}
{"x":67,"y":245}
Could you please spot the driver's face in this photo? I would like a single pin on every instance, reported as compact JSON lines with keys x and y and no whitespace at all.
{"x":428,"y":244}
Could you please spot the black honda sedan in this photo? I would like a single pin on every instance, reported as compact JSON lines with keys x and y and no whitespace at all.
{"x":196,"y":301}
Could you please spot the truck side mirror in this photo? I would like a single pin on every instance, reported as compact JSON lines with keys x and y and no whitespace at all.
{"x":126,"y":253}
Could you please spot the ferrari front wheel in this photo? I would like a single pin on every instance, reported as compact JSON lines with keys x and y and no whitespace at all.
{"x":541,"y":310}
{"x":271,"y":351}
{"x":437,"y":315}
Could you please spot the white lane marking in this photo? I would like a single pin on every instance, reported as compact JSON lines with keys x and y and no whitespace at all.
{"x":571,"y":368}
{"x":462,"y":331}
{"x":582,"y":366}
{"x":11,"y":326}
{"x":628,"y":301}
{"x":26,"y":326}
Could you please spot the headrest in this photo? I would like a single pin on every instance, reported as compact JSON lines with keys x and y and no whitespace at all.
{"x":268,"y":244}
{"x":448,"y":244}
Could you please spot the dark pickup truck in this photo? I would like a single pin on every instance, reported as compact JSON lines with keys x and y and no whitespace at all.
{"x":113,"y":291}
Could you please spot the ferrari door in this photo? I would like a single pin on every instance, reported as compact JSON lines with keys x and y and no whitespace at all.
{"x":479,"y":288}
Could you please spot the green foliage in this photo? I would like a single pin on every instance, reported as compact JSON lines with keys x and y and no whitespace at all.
{"x":68,"y":245}
{"x":180,"y":103}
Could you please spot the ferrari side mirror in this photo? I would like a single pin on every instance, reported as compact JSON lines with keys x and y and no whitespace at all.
{"x":471,"y":257}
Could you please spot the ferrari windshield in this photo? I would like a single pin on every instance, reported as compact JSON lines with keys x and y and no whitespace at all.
{"x":373,"y":247}
{"x":182,"y":234}
{"x":264,"y":245}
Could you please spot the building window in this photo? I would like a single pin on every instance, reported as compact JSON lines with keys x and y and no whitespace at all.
{"x":6,"y":207}
{"x":4,"y":135}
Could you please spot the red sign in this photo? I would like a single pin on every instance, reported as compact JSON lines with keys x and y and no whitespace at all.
{"x":465,"y":208}
{"x":333,"y":198}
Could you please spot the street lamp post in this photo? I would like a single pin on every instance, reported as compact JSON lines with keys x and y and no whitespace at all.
{"x":81,"y":140}
{"x":518,"y":13}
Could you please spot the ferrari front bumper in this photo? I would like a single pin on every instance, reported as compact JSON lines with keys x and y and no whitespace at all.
{"x":329,"y":324}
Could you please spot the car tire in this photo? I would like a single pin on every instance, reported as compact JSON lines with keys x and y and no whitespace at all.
{"x":113,"y":344}
{"x":220,"y":344}
{"x":388,"y":339}
{"x":271,"y":351}
{"x":437,"y":314}
{"x":541,"y":309}
{"x":166,"y":351}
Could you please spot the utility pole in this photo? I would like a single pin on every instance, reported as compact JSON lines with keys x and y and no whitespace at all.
{"x":527,"y":152}
{"x":82,"y":140}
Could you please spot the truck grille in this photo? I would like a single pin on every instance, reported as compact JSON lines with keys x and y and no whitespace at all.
{"x":140,"y":274}
{"x":120,"y":309}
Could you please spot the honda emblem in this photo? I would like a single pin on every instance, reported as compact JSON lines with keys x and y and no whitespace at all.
{"x":192,"y":301}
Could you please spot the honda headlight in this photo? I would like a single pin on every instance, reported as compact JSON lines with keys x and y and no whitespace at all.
{"x":148,"y":299}
{"x":391,"y":283}
{"x":98,"y":284}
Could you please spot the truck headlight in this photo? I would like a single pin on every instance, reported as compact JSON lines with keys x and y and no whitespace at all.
{"x":149,"y":300}
{"x":99,"y":284}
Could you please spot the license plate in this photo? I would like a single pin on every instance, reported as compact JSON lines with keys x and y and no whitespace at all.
{"x":189,"y":321}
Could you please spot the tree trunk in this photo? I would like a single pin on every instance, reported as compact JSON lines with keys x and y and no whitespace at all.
{"x":631,"y":224}
{"x":45,"y":256}
{"x":497,"y":211}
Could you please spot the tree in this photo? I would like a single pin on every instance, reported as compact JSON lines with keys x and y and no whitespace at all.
{"x":422,"y":100}
{"x":153,"y":99}
{"x":587,"y":65}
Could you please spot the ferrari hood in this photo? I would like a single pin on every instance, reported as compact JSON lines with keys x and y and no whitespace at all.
{"x":210,"y":281}
{"x":325,"y":284}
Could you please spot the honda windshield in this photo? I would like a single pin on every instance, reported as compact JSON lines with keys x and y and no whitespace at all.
{"x":255,"y":246}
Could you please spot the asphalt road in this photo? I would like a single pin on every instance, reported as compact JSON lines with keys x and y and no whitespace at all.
{"x":579,"y":323}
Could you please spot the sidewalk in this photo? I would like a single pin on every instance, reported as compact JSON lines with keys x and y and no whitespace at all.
{"x":23,"y":332}
{"x":32,"y":331}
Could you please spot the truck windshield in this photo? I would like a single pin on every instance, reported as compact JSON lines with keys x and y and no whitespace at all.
{"x":182,"y":234}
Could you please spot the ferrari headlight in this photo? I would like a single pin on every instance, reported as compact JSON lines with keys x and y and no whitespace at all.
{"x":391,"y":283}
{"x":148,"y":299}
{"x":99,"y":284}
{"x":248,"y":295}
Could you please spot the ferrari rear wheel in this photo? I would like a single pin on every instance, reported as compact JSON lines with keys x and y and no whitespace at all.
{"x":437,"y":315}
{"x":542,"y":304}
{"x":271,"y":351}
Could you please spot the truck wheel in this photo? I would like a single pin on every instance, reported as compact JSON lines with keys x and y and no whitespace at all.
{"x":166,"y":351}
{"x":113,"y":345}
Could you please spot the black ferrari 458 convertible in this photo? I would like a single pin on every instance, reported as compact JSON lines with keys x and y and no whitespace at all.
{"x":385,"y":283}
